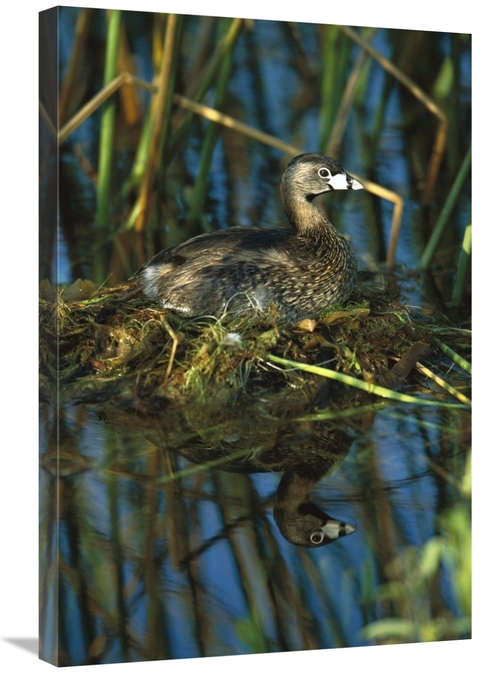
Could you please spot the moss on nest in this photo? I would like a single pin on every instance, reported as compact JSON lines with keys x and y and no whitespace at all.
{"x":96,"y":346}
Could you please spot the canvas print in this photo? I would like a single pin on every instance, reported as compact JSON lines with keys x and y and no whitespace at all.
{"x":255,"y":327}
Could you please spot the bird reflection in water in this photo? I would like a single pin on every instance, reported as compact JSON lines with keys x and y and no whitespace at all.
{"x":304,"y":451}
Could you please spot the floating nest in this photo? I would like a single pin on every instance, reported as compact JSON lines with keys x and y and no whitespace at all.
{"x":97,"y":347}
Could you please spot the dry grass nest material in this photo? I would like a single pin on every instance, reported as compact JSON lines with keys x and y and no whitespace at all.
{"x":96,"y":347}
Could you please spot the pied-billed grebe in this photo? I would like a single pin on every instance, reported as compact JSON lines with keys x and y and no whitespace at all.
{"x":304,"y":455}
{"x":300,"y":270}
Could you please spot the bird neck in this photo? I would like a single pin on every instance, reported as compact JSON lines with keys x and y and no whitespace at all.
{"x":305,"y":217}
{"x":295,"y":486}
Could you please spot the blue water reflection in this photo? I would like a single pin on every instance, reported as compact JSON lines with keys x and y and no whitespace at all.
{"x":123,"y":540}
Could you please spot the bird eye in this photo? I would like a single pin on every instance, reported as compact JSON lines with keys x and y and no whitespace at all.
{"x":317,"y":537}
{"x":324,"y":173}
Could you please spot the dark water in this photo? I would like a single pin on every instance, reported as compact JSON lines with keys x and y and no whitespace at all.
{"x":149,"y":566}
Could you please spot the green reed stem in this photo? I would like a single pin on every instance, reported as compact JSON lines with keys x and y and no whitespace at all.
{"x":142,"y":158}
{"x":463,"y":266}
{"x":455,"y":357}
{"x":173,"y":44}
{"x":116,"y":550}
{"x":213,"y":67}
{"x":106,"y":146}
{"x":140,"y":161}
{"x":211,"y":136}
{"x":369,"y":388}
{"x":162,"y":104}
{"x":446,"y":212}
{"x":335,"y":59}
